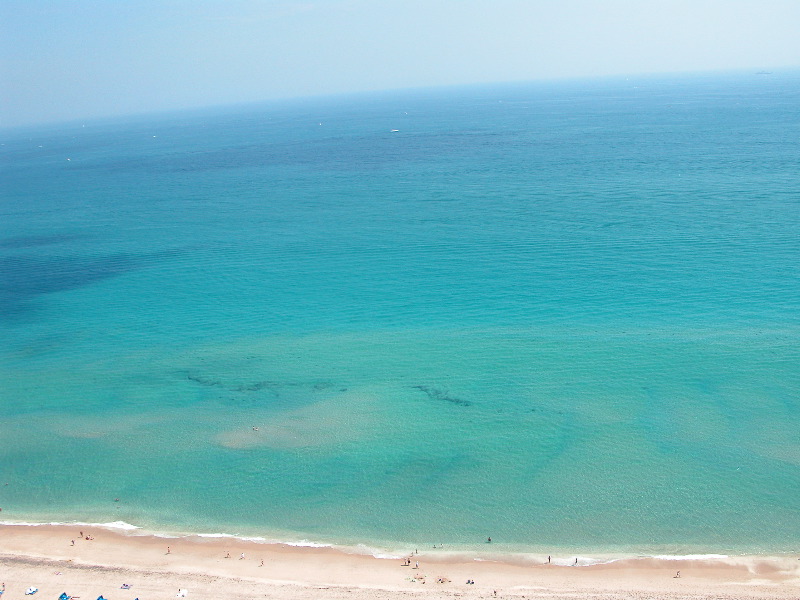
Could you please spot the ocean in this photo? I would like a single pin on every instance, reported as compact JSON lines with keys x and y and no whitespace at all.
{"x":563,"y":315}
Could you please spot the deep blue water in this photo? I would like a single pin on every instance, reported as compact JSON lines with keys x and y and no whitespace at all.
{"x":564,"y":315}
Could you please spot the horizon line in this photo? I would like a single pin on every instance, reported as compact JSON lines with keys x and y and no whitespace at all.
{"x":277,"y":100}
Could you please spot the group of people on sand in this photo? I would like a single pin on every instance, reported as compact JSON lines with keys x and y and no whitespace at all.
{"x":242,"y":557}
{"x":86,"y":537}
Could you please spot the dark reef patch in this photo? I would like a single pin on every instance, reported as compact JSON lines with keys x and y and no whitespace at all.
{"x":203,"y":380}
{"x":271,"y":386}
{"x":439,"y":394}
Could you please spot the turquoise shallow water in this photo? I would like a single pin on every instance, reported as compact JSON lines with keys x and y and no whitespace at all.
{"x":564,"y":316}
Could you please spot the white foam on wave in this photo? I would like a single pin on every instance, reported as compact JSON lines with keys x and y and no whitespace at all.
{"x":259,"y":539}
{"x":386,"y":555}
{"x":306,"y":544}
{"x":122,"y":525}
{"x":526,"y":559}
{"x":119,"y":525}
{"x":374,"y":552}
{"x":587,"y":561}
{"x":128,"y":527}
{"x":582,"y":561}
{"x":689,"y":556}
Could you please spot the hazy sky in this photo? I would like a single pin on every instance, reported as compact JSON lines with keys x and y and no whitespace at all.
{"x":78,"y":59}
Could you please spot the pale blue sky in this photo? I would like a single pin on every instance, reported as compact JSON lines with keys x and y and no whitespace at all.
{"x":79,"y":59}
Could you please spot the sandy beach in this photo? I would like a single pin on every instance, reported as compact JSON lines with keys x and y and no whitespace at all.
{"x":157,"y":567}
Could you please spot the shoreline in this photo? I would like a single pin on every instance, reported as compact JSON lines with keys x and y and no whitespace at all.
{"x":44,"y":556}
{"x":500,"y":552}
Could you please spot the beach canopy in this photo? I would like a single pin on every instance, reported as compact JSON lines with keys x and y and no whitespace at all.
{"x":31,"y":591}
{"x":64,"y":596}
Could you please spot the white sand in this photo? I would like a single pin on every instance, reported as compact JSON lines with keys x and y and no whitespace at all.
{"x":43,"y":557}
